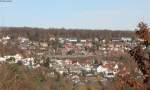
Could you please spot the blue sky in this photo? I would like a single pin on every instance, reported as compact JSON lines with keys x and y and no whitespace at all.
{"x":84,"y":14}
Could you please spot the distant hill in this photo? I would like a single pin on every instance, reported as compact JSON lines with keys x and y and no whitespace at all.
{"x":43,"y":34}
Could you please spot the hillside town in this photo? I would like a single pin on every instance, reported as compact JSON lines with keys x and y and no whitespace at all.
{"x":73,"y":58}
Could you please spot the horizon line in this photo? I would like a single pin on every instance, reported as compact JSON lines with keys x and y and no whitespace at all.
{"x":38,"y":27}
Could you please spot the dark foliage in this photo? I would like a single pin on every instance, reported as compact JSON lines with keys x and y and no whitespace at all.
{"x":43,"y":34}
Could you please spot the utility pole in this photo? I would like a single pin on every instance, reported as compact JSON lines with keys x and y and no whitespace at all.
{"x":3,"y":1}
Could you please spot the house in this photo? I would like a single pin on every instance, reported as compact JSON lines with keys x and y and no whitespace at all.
{"x":79,"y":44}
{"x":28,"y":61}
{"x":75,"y":78}
{"x":71,"y":39}
{"x":2,"y":59}
{"x":89,"y":44}
{"x":126,"y":39}
{"x":101,"y":69}
{"x":23,"y":39}
{"x":61,"y":40}
{"x":6,"y":38}
{"x":68,"y":62}
{"x":96,"y":39}
{"x":61,"y":70}
{"x":52,"y":39}
{"x":44,"y":44}
{"x":103,"y":41}
{"x":75,"y":69}
{"x":88,"y":68}
{"x":116,"y":66}
{"x":109,"y":74}
{"x":83,"y":41}
{"x":16,"y":57}
{"x":105,"y":71}
{"x":115,"y":39}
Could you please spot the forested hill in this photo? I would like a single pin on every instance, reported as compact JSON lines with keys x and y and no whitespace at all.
{"x":40,"y":33}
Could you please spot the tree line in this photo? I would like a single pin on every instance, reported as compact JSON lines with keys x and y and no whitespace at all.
{"x":43,"y":34}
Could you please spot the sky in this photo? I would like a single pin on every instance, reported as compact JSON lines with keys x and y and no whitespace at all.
{"x":75,"y":14}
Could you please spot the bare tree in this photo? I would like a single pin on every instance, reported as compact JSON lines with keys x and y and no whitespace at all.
{"x":139,"y":54}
